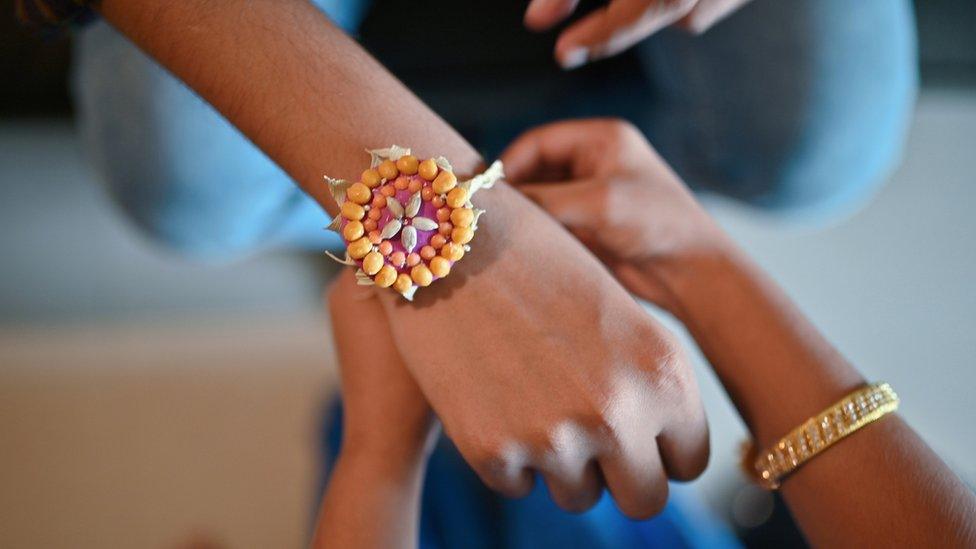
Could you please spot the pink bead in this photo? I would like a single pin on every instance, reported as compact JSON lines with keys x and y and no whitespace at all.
{"x":398,"y":259}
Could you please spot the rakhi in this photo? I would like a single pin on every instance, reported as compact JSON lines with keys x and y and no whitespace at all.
{"x":406,"y":222}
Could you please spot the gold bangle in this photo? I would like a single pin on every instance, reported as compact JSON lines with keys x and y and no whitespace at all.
{"x":818,"y":433}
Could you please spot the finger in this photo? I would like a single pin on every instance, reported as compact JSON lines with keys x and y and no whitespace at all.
{"x":575,"y":490}
{"x":570,"y":204}
{"x":707,"y":13}
{"x":612,"y":29}
{"x":637,"y":483}
{"x":554,"y":151}
{"x":543,"y":14}
{"x":505,"y":471}
{"x":684,"y":445}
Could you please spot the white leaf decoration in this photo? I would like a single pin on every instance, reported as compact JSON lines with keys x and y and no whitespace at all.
{"x":338,"y":188}
{"x":408,"y":295}
{"x":484,"y":180}
{"x":335,"y":224}
{"x":345,"y":261}
{"x":409,"y":238}
{"x":390,"y":229}
{"x":393,"y":152}
{"x":413,"y":206}
{"x":474,"y":220}
{"x":424,"y":224}
{"x":395,"y":207}
{"x":443,"y":164}
{"x":363,"y":279}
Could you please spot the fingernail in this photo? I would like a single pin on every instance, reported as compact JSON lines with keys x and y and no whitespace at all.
{"x":537,"y":7}
{"x":576,"y":57}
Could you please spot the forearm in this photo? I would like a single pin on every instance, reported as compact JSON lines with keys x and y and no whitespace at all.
{"x":291,"y":81}
{"x":372,"y":500}
{"x":882,"y":483}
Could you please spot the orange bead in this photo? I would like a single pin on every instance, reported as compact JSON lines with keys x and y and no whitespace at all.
{"x":443,"y":214}
{"x":375,"y":215}
{"x":401,"y":182}
{"x":352,"y":231}
{"x":427,"y":252}
{"x":374,"y":236}
{"x":358,"y":193}
{"x":462,"y":217}
{"x":398,"y":259}
{"x":379,"y":202}
{"x":457,"y":197}
{"x":386,"y":248}
{"x":413,"y":259}
{"x":408,"y":164}
{"x":444,"y":182}
{"x":421,"y":275}
{"x":403,"y":283}
{"x":438,"y":241}
{"x":452,"y":251}
{"x":440,"y":267}
{"x":445,"y":228}
{"x":462,"y":235}
{"x":352,"y":211}
{"x":372,"y":263}
{"x":371,"y":178}
{"x":388,"y":170}
{"x":428,"y":169}
{"x":414,"y":186}
{"x":387,"y":190}
{"x":427,"y":194}
{"x":369,"y":225}
{"x":437,"y":201}
{"x":359,"y":248}
{"x":386,"y":276}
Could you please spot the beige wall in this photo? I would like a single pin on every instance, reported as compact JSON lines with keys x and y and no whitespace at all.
{"x":151,"y":435}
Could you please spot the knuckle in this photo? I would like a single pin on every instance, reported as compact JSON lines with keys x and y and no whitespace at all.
{"x":647,"y":506}
{"x":619,"y":130}
{"x":575,"y":502}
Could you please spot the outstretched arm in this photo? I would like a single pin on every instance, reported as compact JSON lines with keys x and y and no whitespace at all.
{"x":294,"y":83}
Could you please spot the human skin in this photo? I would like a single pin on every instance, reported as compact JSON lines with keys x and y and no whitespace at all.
{"x":880,"y":486}
{"x":520,"y":305}
{"x":373,"y":495}
{"x":620,"y":24}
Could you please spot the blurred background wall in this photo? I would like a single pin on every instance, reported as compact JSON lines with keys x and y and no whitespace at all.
{"x":150,"y":402}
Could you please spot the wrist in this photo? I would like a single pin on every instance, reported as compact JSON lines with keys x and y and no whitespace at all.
{"x":389,"y":457}
{"x":688,"y":276}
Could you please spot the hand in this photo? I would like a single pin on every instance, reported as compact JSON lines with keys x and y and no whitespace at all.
{"x":535,"y":359}
{"x":616,"y":27}
{"x":384,"y":411}
{"x":603,"y":181}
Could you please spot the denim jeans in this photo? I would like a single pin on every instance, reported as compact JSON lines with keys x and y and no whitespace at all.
{"x":797,"y":106}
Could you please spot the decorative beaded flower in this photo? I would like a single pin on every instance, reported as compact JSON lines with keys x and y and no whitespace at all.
{"x":406,"y":222}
